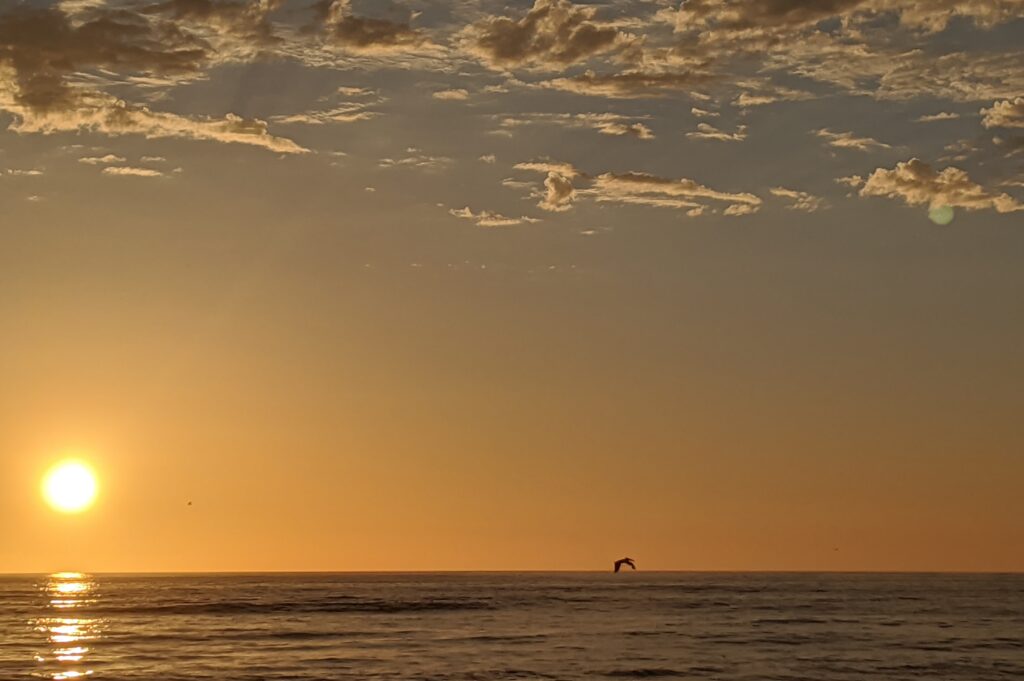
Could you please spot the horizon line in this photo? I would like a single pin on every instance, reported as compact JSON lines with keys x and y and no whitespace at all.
{"x":513,"y":571}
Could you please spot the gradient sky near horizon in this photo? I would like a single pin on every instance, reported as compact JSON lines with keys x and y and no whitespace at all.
{"x":411,"y":284}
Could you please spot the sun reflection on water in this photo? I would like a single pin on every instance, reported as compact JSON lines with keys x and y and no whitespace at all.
{"x":68,"y":631}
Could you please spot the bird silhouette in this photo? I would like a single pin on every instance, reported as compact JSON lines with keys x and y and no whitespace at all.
{"x":624,"y":561}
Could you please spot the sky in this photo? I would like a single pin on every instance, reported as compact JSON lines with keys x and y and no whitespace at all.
{"x":472,"y":285}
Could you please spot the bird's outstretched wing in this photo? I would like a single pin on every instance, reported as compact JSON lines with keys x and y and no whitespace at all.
{"x":618,"y":565}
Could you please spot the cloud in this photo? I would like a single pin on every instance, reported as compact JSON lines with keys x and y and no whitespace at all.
{"x":513,"y":183}
{"x":457,"y":94}
{"x":486,"y":218}
{"x":43,"y":56}
{"x":941,"y":116}
{"x":552,"y":34}
{"x":18,"y":172}
{"x":350,"y":91}
{"x":563,"y":169}
{"x":346,"y":113}
{"x":847,"y":140}
{"x":97,"y":112}
{"x":959,"y":151}
{"x":799,"y":200}
{"x":771,"y":95}
{"x":707,"y":131}
{"x":634,"y":84}
{"x":646,"y":189}
{"x":100,"y":160}
{"x":130,"y":171}
{"x":862,"y":46}
{"x":702,"y":113}
{"x":42,"y":48}
{"x":604,"y":123}
{"x":754,"y":26}
{"x":738,"y":209}
{"x":559,"y":194}
{"x":1008,"y":114}
{"x":1009,"y":146}
{"x":632,"y":188}
{"x":367,"y":35}
{"x":488,"y":158}
{"x":416,"y":160}
{"x":917,"y":184}
{"x":341,"y":112}
{"x":247,"y":22}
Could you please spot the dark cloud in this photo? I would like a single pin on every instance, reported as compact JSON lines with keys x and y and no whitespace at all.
{"x":43,"y":51}
{"x":553,"y":34}
{"x":363,"y":34}
{"x":43,"y":48}
{"x":246,"y":18}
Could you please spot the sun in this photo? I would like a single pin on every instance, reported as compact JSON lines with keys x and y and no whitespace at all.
{"x":70,"y":486}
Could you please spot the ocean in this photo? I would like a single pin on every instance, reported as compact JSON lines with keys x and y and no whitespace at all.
{"x":482,"y":626}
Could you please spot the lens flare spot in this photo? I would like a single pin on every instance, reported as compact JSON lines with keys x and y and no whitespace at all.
{"x":941,"y":215}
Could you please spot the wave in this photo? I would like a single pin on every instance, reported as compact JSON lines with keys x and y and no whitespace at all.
{"x":285,"y":607}
{"x":645,"y":672}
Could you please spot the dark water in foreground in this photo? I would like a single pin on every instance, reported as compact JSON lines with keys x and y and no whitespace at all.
{"x":513,"y":626}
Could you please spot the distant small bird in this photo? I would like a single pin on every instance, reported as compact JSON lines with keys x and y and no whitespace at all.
{"x":624,"y":561}
{"x":190,"y":503}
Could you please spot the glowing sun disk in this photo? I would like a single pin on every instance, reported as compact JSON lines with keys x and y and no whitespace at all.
{"x":70,"y":487}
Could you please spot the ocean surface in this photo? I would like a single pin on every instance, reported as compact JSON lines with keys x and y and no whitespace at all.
{"x":468,"y":626}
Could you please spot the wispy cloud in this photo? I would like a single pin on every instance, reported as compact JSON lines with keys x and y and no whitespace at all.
{"x":417,"y":160}
{"x":348,"y":113}
{"x":704,"y":113}
{"x":457,"y":94}
{"x":847,"y":140}
{"x":101,"y":160}
{"x":604,"y":123}
{"x":131,"y":171}
{"x":706,"y":131}
{"x":941,"y":116}
{"x":486,"y":218}
{"x":798,"y":200}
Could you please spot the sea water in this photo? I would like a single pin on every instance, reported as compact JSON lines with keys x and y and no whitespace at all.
{"x":632,"y":625}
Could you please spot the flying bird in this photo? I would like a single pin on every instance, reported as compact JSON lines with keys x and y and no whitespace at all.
{"x":624,"y":561}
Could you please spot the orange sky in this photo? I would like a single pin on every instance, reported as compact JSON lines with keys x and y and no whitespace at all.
{"x":409,"y":301}
{"x":505,"y":429}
